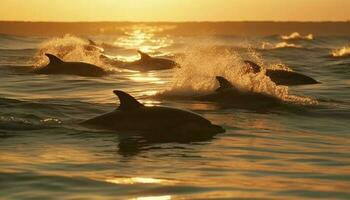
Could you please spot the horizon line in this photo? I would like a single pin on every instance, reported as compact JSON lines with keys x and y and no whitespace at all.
{"x":194,"y":21}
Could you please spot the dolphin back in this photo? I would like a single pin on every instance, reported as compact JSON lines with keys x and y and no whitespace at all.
{"x":281,"y":77}
{"x":54,"y":60}
{"x":255,"y":67}
{"x":144,"y":56}
{"x":58,"y":66}
{"x":224,"y":84}
{"x":127,"y":102}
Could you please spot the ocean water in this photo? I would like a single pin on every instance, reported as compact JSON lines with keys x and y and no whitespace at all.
{"x":299,"y":151}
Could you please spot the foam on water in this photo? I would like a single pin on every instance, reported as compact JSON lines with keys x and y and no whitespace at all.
{"x":297,"y":36}
{"x":279,"y":45}
{"x":341,"y":52}
{"x":201,"y":64}
{"x":298,"y":152}
{"x":69,"y":48}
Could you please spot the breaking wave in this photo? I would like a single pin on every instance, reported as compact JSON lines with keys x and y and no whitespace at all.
{"x":342,"y":52}
{"x":201,"y":64}
{"x":297,"y":36}
{"x":69,"y":48}
{"x":280,"y":45}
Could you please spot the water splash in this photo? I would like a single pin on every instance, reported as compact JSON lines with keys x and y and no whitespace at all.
{"x":280,"y":66}
{"x":280,"y":45}
{"x":201,"y":64}
{"x":341,"y":52}
{"x":297,"y":36}
{"x":68,"y":48}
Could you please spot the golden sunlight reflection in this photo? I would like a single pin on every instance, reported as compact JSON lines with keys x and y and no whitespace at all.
{"x":165,"y":197}
{"x":146,"y":77}
{"x":142,"y":37}
{"x":151,"y":102}
{"x":136,"y":180}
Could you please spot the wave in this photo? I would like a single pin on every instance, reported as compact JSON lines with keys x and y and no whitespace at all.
{"x":201,"y":64}
{"x":280,"y":45}
{"x":341,"y":52}
{"x":69,"y":48}
{"x":14,"y":42}
{"x":11,"y":37}
{"x":279,"y":66}
{"x":297,"y":36}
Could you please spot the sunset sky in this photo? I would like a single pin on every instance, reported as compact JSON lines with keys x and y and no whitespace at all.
{"x":175,"y":10}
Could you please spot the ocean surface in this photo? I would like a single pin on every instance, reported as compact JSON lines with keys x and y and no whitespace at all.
{"x":297,"y":151}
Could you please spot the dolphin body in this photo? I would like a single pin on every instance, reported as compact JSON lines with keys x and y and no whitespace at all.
{"x":155,"y":121}
{"x":282,"y":77}
{"x":230,"y":96}
{"x":58,"y":66}
{"x":146,"y":63}
{"x":103,"y":47}
{"x":93,"y":46}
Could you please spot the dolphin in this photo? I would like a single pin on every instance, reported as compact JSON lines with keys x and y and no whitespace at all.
{"x":132,"y":116}
{"x":283,"y":77}
{"x":58,"y":66}
{"x":102,"y":47}
{"x":93,"y":46}
{"x":228,"y":96}
{"x":146,"y":63}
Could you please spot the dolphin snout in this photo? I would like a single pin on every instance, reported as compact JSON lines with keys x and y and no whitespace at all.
{"x":217,"y":129}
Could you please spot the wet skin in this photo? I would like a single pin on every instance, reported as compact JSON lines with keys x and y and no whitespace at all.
{"x":57,"y":66}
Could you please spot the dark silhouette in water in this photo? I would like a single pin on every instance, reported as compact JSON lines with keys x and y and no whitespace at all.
{"x":132,"y":145}
{"x":58,"y":66}
{"x":146,"y":63}
{"x":228,"y":95}
{"x":283,"y":77}
{"x":154,"y":122}
{"x":103,"y":47}
{"x":92,"y":46}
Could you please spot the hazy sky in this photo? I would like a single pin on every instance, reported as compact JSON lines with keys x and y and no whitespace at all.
{"x":174,"y":10}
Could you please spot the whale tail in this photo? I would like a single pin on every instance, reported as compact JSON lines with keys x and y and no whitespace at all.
{"x":53,"y":59}
{"x":127,"y":102}
{"x":143,"y":55}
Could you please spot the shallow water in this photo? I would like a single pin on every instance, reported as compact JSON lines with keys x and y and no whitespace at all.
{"x":301,"y":151}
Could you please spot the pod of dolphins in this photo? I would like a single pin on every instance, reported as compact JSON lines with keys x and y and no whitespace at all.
{"x":157,"y":121}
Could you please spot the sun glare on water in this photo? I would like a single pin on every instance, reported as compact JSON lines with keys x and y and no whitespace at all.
{"x":165,"y":197}
{"x":136,"y":180}
{"x":146,"y":77}
{"x":144,"y":38}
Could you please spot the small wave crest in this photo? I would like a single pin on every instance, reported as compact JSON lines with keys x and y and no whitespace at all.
{"x":280,"y":45}
{"x":10,"y":122}
{"x":341,"y":52}
{"x":201,"y":64}
{"x":297,"y":36}
{"x":69,"y":48}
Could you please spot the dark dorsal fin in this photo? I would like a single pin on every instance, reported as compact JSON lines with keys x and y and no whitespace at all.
{"x":224,"y":83}
{"x":256,"y":68}
{"x":91,"y":42}
{"x":53,"y":59}
{"x":127,"y":102}
{"x":144,"y":56}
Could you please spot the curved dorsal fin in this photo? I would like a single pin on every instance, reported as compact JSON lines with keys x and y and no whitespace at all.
{"x":127,"y":102}
{"x":53,"y":59}
{"x":91,"y":42}
{"x":256,"y":68}
{"x":144,"y":56}
{"x":224,"y":83}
